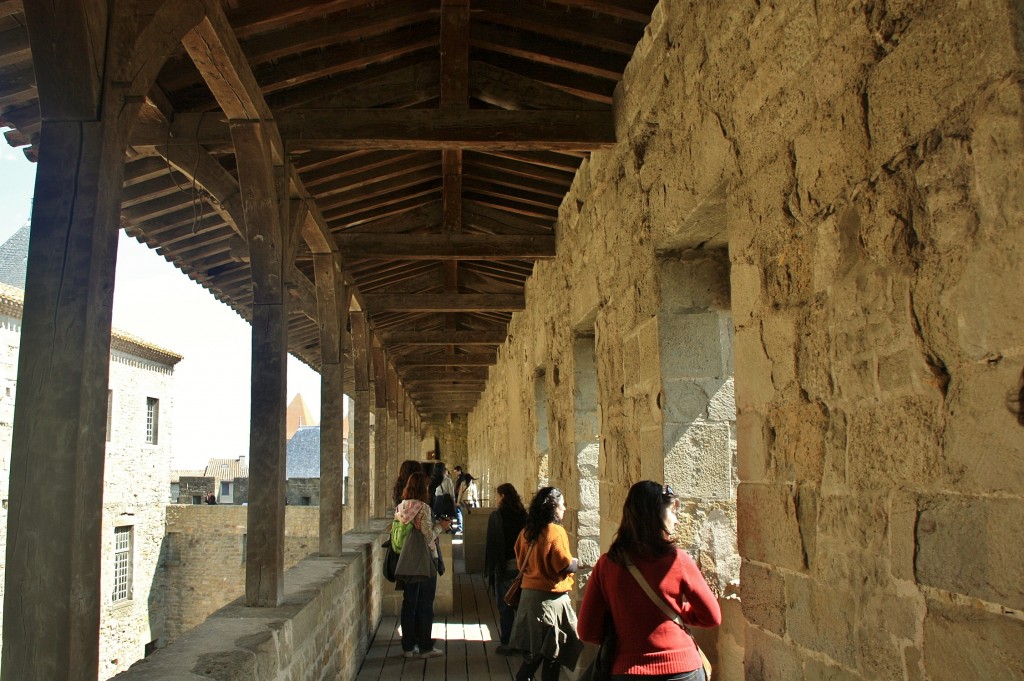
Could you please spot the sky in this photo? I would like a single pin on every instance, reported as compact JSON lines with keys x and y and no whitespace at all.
{"x":158,"y":303}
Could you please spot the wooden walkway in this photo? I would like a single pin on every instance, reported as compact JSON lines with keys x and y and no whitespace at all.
{"x":468,"y":638}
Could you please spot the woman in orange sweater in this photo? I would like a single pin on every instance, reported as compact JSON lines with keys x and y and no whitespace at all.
{"x":545,"y":624}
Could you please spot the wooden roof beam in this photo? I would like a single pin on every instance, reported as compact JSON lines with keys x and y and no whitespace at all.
{"x":345,"y":129}
{"x":441,"y":302}
{"x":449,"y":246}
{"x":413,"y":337}
{"x":445,"y":361}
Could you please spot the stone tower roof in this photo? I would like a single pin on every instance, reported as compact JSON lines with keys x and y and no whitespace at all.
{"x":298,"y":416}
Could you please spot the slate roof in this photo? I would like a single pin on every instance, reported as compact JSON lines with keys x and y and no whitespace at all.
{"x":304,"y":453}
{"x":14,"y":258}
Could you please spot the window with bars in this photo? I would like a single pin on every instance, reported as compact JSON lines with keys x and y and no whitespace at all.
{"x":152,"y":419}
{"x":122,"y":564}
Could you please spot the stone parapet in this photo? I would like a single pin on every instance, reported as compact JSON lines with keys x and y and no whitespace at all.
{"x":321,"y":631}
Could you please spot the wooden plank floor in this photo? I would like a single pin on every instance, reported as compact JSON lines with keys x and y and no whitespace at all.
{"x":468,"y":638}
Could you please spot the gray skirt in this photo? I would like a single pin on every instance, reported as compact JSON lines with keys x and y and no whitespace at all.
{"x":546,"y":625}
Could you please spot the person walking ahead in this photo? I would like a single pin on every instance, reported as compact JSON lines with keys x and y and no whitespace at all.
{"x":545,"y":624}
{"x":418,"y":597}
{"x":650,"y":646}
{"x":503,"y":528}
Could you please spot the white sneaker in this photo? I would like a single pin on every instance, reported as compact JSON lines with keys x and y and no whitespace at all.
{"x":411,"y":653}
{"x":433,"y":652}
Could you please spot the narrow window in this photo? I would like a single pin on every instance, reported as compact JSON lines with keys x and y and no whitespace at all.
{"x":225,"y":489}
{"x":152,"y":419}
{"x":110,"y":412}
{"x":122,"y":563}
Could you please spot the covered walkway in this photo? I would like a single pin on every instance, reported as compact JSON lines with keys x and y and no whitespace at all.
{"x":469,"y":637}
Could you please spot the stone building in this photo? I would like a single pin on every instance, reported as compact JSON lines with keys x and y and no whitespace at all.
{"x":770,"y":253}
{"x":139,"y":432}
{"x":303,"y":466}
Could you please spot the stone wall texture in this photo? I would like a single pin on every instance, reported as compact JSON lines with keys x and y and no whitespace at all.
{"x":204,"y":558}
{"x":134,"y":493}
{"x":321,"y":631}
{"x":861,"y":164}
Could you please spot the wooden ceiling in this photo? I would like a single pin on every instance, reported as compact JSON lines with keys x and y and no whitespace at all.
{"x":435,"y":139}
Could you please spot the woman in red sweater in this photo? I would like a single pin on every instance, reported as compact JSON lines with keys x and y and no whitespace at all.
{"x":650,"y":646}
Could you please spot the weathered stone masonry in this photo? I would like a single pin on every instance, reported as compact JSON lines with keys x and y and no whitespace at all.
{"x":861,"y":163}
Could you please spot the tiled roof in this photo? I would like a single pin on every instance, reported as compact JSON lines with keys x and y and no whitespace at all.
{"x":304,"y":453}
{"x":226,"y":469}
{"x":176,"y":476}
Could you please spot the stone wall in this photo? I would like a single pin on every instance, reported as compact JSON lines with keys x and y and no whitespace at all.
{"x":322,"y":629}
{"x":303,"y":491}
{"x":204,"y":558}
{"x":190,"y":487}
{"x":135,"y":495}
{"x":134,"y":492}
{"x":861,"y":163}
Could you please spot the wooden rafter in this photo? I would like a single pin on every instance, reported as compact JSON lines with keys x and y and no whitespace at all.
{"x":309,"y":129}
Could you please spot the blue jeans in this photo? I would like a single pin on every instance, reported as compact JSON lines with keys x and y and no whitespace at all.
{"x":418,"y":614}
{"x":506,"y":614}
{"x":695,"y":675}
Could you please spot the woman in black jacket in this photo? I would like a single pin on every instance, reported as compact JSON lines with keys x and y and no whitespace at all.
{"x":504,"y":525}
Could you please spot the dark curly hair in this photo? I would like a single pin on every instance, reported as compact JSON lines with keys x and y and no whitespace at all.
{"x":542,"y":511}
{"x":642,"y":530}
{"x":510,"y":499}
{"x":404,"y":471}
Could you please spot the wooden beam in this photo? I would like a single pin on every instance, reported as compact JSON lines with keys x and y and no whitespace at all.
{"x":445,"y":246}
{"x":214,"y":49}
{"x":414,"y":384}
{"x":455,"y":392}
{"x":344,"y":129}
{"x":446,"y":361}
{"x":435,"y":374}
{"x":412,"y":337}
{"x":434,"y":302}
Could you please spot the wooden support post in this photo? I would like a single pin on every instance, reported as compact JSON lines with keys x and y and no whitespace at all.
{"x":332,"y":306}
{"x":359,"y":472}
{"x":92,"y":64}
{"x":394,"y":442}
{"x":385,"y":465}
{"x":261,"y":196}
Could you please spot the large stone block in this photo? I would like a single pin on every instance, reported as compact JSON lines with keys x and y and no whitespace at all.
{"x":821,"y":617}
{"x":964,"y":643}
{"x":746,"y":292}
{"x":984,"y":450}
{"x":698,"y":460}
{"x":763,"y":594}
{"x":887,"y":622}
{"x":769,"y":658}
{"x":944,"y":57}
{"x":691,"y":346}
{"x":752,"y":448}
{"x":683,"y":400}
{"x":895,"y":442}
{"x":972,"y":546}
{"x":768,"y":528}
{"x":722,"y":406}
{"x":798,"y":448}
{"x":753,"y":370}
